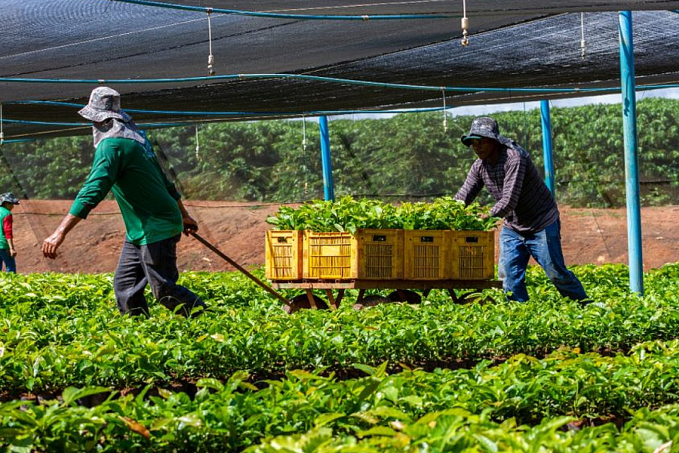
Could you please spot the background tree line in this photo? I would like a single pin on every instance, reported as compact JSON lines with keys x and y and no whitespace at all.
{"x":408,"y":156}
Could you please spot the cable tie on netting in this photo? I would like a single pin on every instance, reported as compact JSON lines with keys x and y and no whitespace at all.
{"x":365,"y":17}
{"x":582,"y":35}
{"x":210,"y":58}
{"x":445,"y":117}
{"x":465,"y":24}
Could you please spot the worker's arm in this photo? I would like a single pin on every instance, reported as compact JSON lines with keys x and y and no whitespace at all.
{"x":52,"y":243}
{"x":472,"y":185}
{"x":12,"y":250}
{"x":105,"y":169}
{"x":9,"y":236}
{"x":190,"y":223}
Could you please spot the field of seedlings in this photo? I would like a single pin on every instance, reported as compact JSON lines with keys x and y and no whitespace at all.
{"x":379,"y":318}
{"x":487,"y":376}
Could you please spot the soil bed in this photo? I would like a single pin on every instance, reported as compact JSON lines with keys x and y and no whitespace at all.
{"x":590,"y":236}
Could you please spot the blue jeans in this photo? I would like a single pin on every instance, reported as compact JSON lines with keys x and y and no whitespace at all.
{"x":154,"y":264}
{"x":10,"y":262}
{"x":545,"y":247}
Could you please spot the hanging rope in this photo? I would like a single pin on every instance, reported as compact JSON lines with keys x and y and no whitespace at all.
{"x":306,"y":167}
{"x":445,"y":117}
{"x":582,"y":35}
{"x":303,"y":133}
{"x":525,"y":128}
{"x":2,"y":133}
{"x":210,"y":58}
{"x":197,"y":145}
{"x":465,"y":24}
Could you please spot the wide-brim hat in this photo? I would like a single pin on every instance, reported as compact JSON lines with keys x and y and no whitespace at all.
{"x":8,"y":197}
{"x":484,"y":127}
{"x":104,"y":104}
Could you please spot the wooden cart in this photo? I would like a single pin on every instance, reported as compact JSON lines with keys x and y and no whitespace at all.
{"x":402,"y":260}
{"x":400,"y":287}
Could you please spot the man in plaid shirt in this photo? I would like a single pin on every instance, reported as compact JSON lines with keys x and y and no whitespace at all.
{"x":531,"y":218}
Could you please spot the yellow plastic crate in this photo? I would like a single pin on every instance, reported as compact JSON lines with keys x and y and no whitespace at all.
{"x":283,"y":255}
{"x":427,"y":254}
{"x":379,"y":254}
{"x":327,"y":255}
{"x":373,"y":254}
{"x":473,"y":255}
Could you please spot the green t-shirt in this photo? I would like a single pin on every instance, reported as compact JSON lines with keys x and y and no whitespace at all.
{"x":147,"y":199}
{"x":4,"y":212}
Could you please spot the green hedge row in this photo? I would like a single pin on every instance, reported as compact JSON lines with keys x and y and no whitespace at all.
{"x":524,"y":404}
{"x":399,"y":158}
{"x":58,"y":330}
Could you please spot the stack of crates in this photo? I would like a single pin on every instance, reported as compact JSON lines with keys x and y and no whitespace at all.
{"x":380,"y":254}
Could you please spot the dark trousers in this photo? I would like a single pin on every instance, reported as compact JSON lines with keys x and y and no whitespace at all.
{"x":8,"y":259}
{"x":155,"y":264}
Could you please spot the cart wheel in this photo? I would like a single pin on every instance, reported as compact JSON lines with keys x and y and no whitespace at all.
{"x":405,"y":295}
{"x":371,"y":301}
{"x":468,"y":297}
{"x":302,"y":301}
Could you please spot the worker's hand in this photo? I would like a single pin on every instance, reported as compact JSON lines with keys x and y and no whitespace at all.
{"x":51,"y":244}
{"x":190,"y":225}
{"x":12,"y":253}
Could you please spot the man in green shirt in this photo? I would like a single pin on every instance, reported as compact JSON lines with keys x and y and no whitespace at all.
{"x":150,"y":204}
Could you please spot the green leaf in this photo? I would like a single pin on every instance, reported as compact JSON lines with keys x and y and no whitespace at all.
{"x":367,"y":369}
{"x":71,"y":394}
{"x":210,"y":383}
{"x":324,"y":419}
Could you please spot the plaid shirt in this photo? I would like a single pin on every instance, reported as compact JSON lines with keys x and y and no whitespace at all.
{"x":521,"y":197}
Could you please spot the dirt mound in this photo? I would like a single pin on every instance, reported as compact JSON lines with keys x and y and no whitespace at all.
{"x":589,"y":236}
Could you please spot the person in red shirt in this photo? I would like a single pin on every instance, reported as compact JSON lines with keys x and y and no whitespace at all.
{"x":7,"y":250}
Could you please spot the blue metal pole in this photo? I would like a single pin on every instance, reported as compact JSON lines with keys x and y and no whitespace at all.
{"x":328,"y":186}
{"x":629,"y":117}
{"x":547,"y":144}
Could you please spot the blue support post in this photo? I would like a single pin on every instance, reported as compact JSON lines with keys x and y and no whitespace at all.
{"x":629,"y":117}
{"x":547,"y":144}
{"x":328,"y":185}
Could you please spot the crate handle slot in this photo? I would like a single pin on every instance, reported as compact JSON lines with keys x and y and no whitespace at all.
{"x":472,"y":239}
{"x":379,"y":238}
{"x":282,"y":239}
{"x":426,"y":238}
